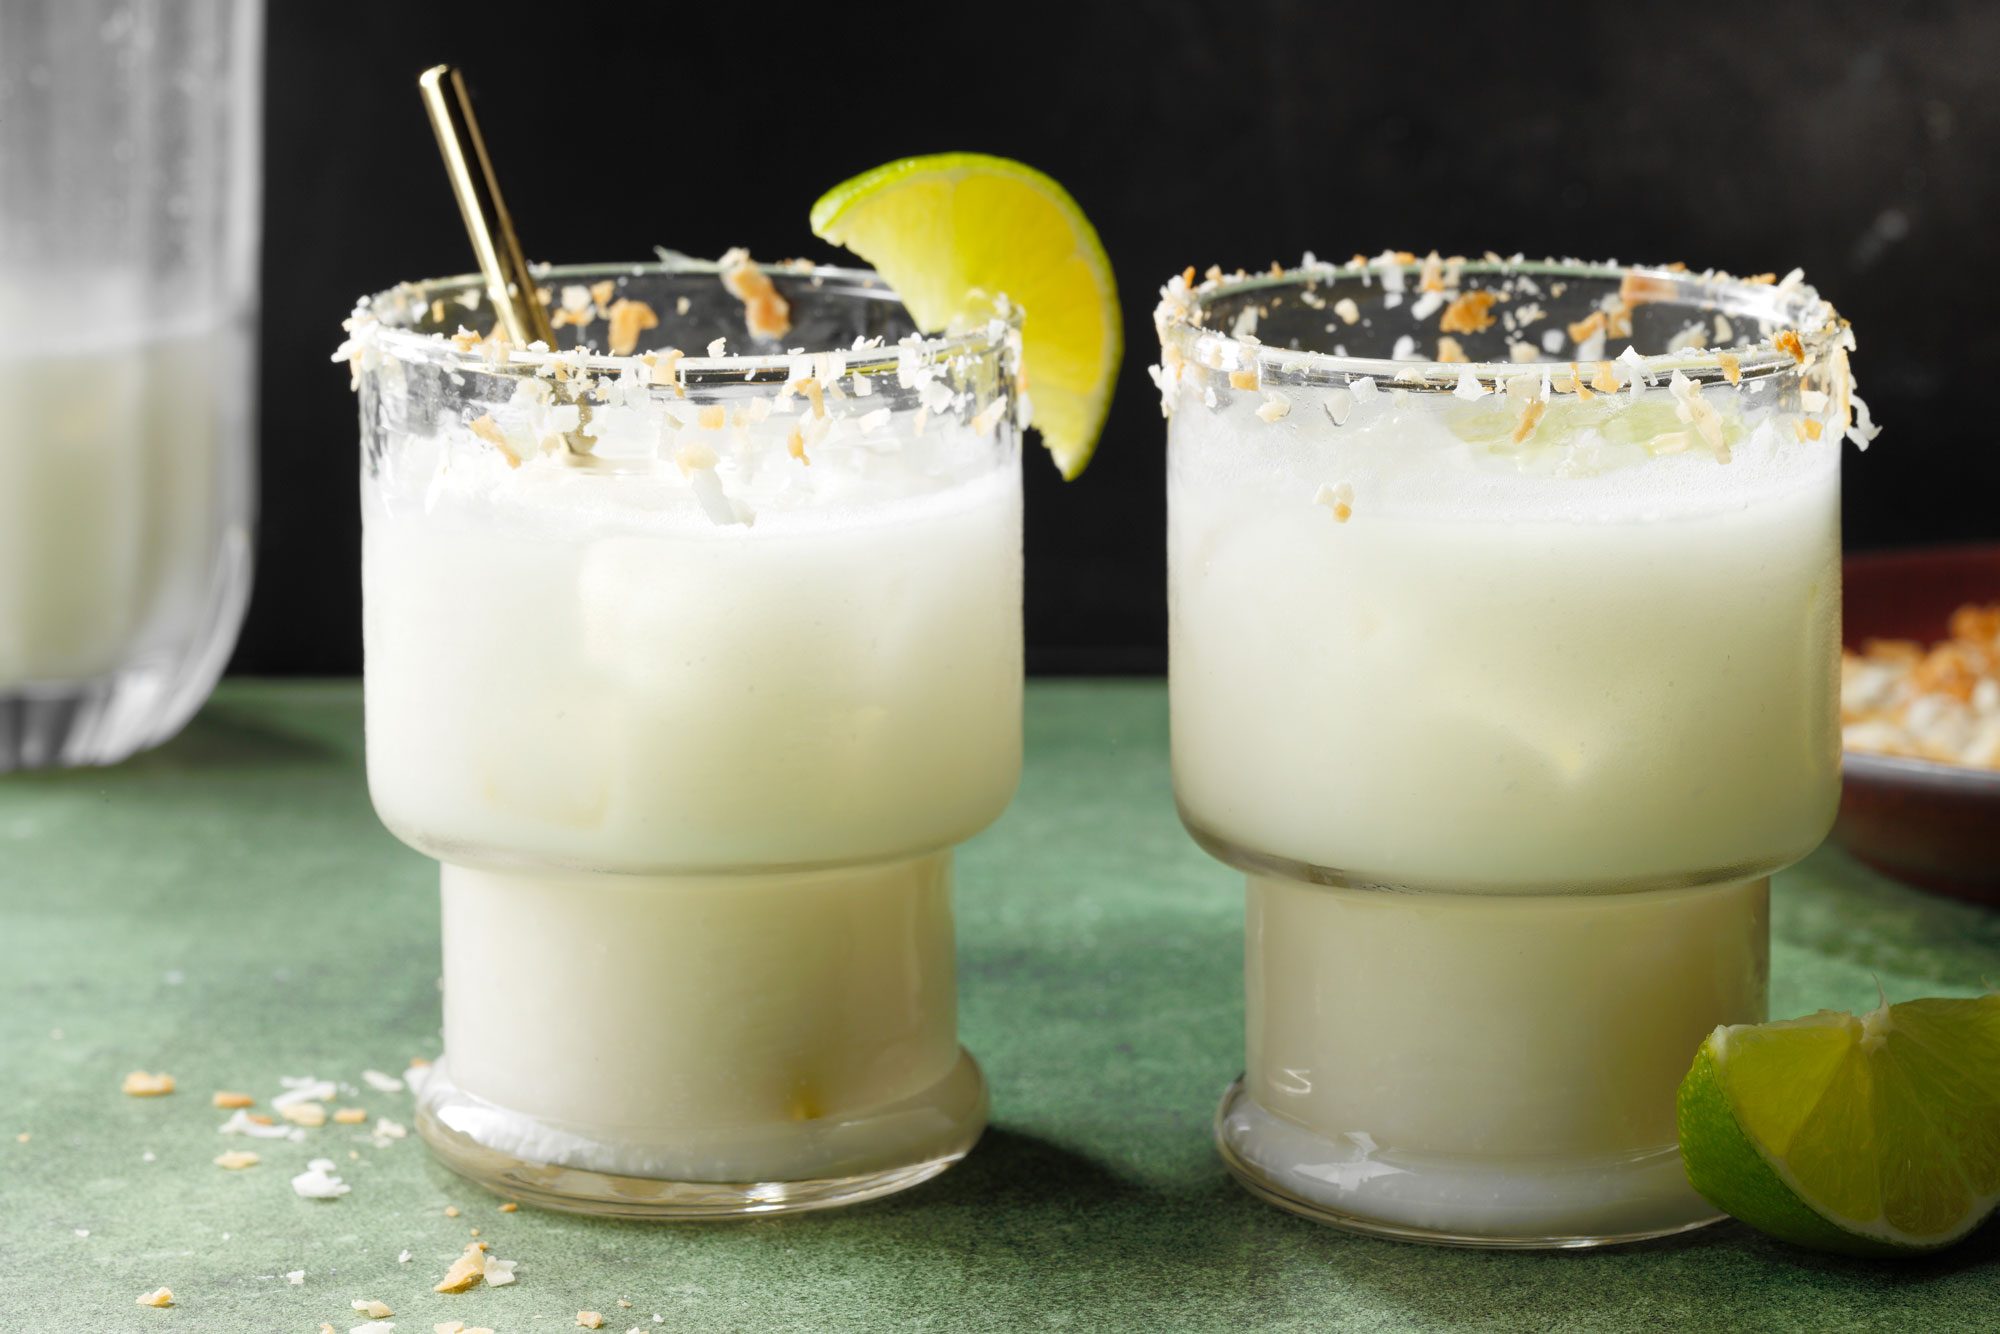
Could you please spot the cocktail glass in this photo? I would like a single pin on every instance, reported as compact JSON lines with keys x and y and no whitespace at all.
{"x":1504,"y":665}
{"x":691,"y":671}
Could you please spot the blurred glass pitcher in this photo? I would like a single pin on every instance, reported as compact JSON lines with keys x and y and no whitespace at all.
{"x":129,"y":140}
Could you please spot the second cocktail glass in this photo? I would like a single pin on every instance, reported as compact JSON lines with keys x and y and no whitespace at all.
{"x":691,"y":671}
{"x":1504,"y":664}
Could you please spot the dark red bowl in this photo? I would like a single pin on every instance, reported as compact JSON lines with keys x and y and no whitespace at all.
{"x":1934,"y":825}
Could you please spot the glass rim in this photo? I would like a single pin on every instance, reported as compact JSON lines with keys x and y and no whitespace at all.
{"x":395,"y":337}
{"x":1789,"y":302}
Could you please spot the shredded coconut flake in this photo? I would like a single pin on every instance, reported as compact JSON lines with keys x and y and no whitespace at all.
{"x":318,"y":1181}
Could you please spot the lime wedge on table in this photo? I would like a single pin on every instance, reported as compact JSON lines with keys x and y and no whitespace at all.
{"x":940,"y":228}
{"x":1872,"y":1136}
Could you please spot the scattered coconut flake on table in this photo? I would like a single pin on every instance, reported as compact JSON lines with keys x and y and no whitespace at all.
{"x":302,"y":1089}
{"x":139,"y":1084}
{"x":158,"y":1297}
{"x":380,"y":1082}
{"x":498,"y":1273}
{"x":465,"y":1271}
{"x":235,"y":1160}
{"x":318,"y":1181}
{"x":373,"y":1309}
{"x":590,"y":1319}
{"x":295,"y":1277}
{"x":225,"y":1099}
{"x":243,"y":1123}
{"x":372,"y":1327}
{"x":403,"y":1258}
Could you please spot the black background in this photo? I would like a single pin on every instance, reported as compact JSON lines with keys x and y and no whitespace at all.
{"x":1857,"y":141}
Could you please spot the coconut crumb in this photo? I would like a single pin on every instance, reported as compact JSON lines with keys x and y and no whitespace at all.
{"x":311,"y":1115}
{"x":509,"y":1207}
{"x":235,"y":1160}
{"x":318,"y":1181}
{"x":986,"y":418}
{"x":139,"y":1084}
{"x":1246,"y":378}
{"x":350,"y":1116}
{"x":1940,"y":704}
{"x":488,"y":430}
{"x":1787,"y":340}
{"x":1348,"y":312}
{"x":628,"y":320}
{"x":1275,"y":407}
{"x":1605,"y":378}
{"x":575,"y":308}
{"x":227,"y":1099}
{"x":1530,"y":417}
{"x":764,"y":311}
{"x":451,"y":1210}
{"x":157,"y":1297}
{"x":590,"y":1319}
{"x":1469,"y":313}
{"x":1449,"y":349}
{"x":1338,"y":500}
{"x":465,"y":1271}
{"x":1732,"y":369}
{"x":1469,"y":387}
{"x":372,"y":1309}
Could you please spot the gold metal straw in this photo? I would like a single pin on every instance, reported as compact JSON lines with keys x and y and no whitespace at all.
{"x":508,"y":283}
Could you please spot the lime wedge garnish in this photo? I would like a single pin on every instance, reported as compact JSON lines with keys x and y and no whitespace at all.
{"x":944,"y":228}
{"x":1872,"y":1136}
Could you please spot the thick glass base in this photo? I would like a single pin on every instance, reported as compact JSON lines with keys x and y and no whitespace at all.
{"x":867,"y":1156}
{"x":1523,"y":1204}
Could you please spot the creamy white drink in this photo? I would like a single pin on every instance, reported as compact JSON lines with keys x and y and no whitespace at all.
{"x":123,"y":525}
{"x":693,"y":720}
{"x":1509,"y":685}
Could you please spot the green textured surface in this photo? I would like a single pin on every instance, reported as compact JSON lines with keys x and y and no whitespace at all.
{"x":228,"y":910}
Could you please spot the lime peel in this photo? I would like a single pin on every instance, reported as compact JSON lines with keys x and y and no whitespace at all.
{"x":946,"y":229}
